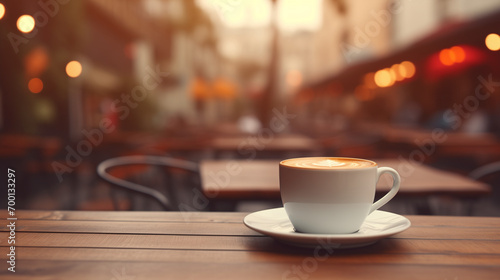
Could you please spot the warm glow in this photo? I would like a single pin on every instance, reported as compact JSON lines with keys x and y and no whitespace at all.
{"x":396,"y":69}
{"x":492,"y":42}
{"x":383,"y":78}
{"x":35,"y":85}
{"x":238,"y":14}
{"x":25,"y":23}
{"x":290,"y":15}
{"x":393,"y":74}
{"x":73,"y":69}
{"x":458,"y":53}
{"x":451,"y":56}
{"x":407,"y":69}
{"x":369,"y":80}
{"x":388,"y":76}
{"x":36,"y":61}
{"x":2,"y":10}
{"x":447,"y":57}
{"x":363,"y":94}
{"x":293,"y":15}
{"x":294,"y":79}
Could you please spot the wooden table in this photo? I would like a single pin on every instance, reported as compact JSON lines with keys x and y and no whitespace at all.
{"x":438,"y":143}
{"x":248,"y":146}
{"x":215,"y":245}
{"x":258,"y":179}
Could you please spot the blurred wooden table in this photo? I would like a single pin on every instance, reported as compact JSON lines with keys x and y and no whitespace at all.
{"x":215,"y":245}
{"x":438,"y":143}
{"x":258,"y":179}
{"x":249,"y":146}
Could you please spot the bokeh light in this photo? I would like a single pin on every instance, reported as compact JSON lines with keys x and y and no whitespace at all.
{"x":492,"y":42}
{"x":407,"y":69}
{"x":447,"y":57}
{"x":2,"y":10}
{"x":383,"y":78}
{"x":36,"y":61}
{"x":458,"y":53}
{"x":393,"y":74}
{"x":73,"y":69}
{"x":25,"y":23}
{"x":452,"y":55}
{"x":396,"y":69}
{"x":35,"y":85}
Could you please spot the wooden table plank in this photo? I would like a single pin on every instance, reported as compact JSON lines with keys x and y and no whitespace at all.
{"x":238,"y":256}
{"x":142,"y":216}
{"x":442,"y":232}
{"x":483,"y":228}
{"x":453,"y":221}
{"x":174,"y":270}
{"x":219,"y":217}
{"x":92,"y":240}
{"x":201,"y":228}
{"x":414,"y":239}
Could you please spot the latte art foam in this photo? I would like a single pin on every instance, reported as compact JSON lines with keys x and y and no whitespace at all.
{"x":328,"y":163}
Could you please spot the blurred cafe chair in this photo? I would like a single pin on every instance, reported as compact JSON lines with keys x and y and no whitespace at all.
{"x":489,"y":173}
{"x":485,"y":170}
{"x":179,"y":176}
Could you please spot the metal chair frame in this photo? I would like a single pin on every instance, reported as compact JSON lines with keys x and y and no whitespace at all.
{"x":164,"y":201}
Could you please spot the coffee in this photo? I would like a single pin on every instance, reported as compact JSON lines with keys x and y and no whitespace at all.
{"x":328,"y":163}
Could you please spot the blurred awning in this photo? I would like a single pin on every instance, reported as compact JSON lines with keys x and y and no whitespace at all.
{"x":468,"y":34}
{"x":453,"y":61}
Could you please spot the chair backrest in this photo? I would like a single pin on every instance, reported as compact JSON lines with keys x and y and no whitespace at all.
{"x":485,"y":170}
{"x":168,"y":203}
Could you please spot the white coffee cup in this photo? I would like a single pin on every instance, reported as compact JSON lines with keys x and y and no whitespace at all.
{"x":331,"y":195}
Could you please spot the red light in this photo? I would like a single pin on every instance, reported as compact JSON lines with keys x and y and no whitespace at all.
{"x":35,"y":85}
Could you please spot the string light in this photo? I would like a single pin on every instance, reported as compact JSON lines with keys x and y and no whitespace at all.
{"x":383,"y":78}
{"x":2,"y":10}
{"x":492,"y":42}
{"x":25,"y":23}
{"x":35,"y":85}
{"x":73,"y":69}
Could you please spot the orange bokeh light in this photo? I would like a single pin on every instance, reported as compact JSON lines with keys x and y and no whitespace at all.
{"x":35,"y":85}
{"x":393,"y":74}
{"x":383,"y":78}
{"x":396,"y":69}
{"x":492,"y":42}
{"x":447,"y":57}
{"x":73,"y":69}
{"x":407,"y":69}
{"x":458,"y":53}
{"x":36,"y":61}
{"x":452,"y":55}
{"x":2,"y":10}
{"x":25,"y":23}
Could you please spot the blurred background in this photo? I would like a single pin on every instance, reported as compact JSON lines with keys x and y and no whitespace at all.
{"x":82,"y":81}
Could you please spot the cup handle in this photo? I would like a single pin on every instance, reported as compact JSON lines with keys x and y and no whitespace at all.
{"x":392,"y":192}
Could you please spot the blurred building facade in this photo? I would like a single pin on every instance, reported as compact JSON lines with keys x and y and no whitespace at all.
{"x":418,"y":32}
{"x":123,"y":43}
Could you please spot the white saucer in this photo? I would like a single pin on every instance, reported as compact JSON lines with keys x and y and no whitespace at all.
{"x":275,"y":223}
